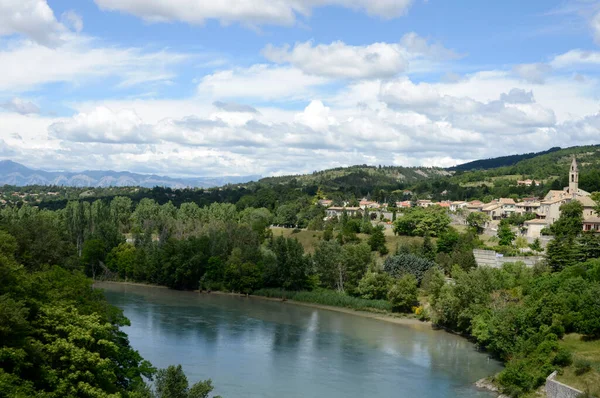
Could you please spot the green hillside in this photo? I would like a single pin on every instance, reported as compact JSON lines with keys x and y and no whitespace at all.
{"x":548,"y":167}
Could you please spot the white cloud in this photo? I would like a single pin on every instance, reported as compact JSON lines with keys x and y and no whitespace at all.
{"x":72,"y":19}
{"x":576,"y":59}
{"x":31,"y":18}
{"x":533,"y":73}
{"x":377,"y":60}
{"x":596,"y":27}
{"x":79,"y":59}
{"x":260,"y":82}
{"x":20,"y":106}
{"x":103,"y":125}
{"x":255,"y":12}
{"x":341,"y":60}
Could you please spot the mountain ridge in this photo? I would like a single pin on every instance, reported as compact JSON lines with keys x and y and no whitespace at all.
{"x":17,"y":174}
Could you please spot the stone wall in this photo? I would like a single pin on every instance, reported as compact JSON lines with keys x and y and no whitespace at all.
{"x":489,"y":258}
{"x":556,"y":389}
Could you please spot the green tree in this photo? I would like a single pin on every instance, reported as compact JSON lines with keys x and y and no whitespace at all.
{"x":172,"y":383}
{"x":374,"y":286}
{"x":477,"y":220}
{"x":403,"y":293}
{"x":403,"y":264}
{"x":420,"y":221}
{"x":428,"y":249}
{"x":505,"y":233}
{"x":377,"y":240}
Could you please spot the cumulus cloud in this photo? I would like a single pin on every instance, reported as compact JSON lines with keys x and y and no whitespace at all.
{"x":341,"y":60}
{"x":79,"y":59}
{"x":103,"y":125}
{"x":20,"y":106}
{"x":533,"y":73}
{"x":378,"y":60}
{"x":234,"y":107}
{"x":256,"y":12}
{"x":261,"y":82}
{"x":31,"y":18}
{"x":517,"y":96}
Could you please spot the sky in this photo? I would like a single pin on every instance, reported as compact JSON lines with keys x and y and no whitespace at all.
{"x":273,"y":87}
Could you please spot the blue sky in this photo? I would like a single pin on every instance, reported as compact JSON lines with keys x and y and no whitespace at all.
{"x":188,"y":87}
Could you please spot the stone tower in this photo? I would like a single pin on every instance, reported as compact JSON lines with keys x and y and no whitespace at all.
{"x":573,"y":178}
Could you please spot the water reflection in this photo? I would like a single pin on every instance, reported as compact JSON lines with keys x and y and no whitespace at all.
{"x":256,"y":348}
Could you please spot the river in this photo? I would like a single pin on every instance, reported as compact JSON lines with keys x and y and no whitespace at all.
{"x":257,"y":348}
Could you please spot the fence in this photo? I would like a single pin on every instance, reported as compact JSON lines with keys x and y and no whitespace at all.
{"x":556,"y":389}
{"x":489,"y":258}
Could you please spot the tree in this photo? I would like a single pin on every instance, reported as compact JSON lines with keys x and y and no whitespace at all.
{"x":403,"y":294}
{"x":402,"y":264}
{"x":428,"y":250}
{"x":570,"y":222}
{"x":477,"y":220}
{"x":448,"y":241}
{"x":374,"y":286}
{"x":420,"y":221}
{"x":172,"y":383}
{"x":564,"y":250}
{"x":505,"y":233}
{"x":377,"y":240}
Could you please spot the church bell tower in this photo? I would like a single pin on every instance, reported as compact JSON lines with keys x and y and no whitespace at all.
{"x":574,"y":178}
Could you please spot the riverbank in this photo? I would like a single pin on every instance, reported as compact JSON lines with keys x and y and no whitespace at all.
{"x":384,"y":317}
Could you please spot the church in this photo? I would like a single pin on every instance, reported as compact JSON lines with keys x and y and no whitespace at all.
{"x":549,"y":210}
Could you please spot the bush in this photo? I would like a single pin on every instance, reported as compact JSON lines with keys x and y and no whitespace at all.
{"x":328,"y":297}
{"x":403,"y":294}
{"x":403,"y":264}
{"x":374,"y":286}
{"x":582,"y":366}
{"x":563,"y":358}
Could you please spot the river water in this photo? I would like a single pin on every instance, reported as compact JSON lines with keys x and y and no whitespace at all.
{"x":258,"y":348}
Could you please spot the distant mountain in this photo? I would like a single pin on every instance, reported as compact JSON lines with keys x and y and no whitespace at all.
{"x":501,"y":161}
{"x":12,"y":173}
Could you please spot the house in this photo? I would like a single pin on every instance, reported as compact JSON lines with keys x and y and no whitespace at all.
{"x":338,"y":211}
{"x":405,"y":204}
{"x":368,"y":204}
{"x":549,"y":210}
{"x":588,"y":206}
{"x":528,"y":183}
{"x":508,"y":206}
{"x":475,"y":205}
{"x":425,"y":203}
{"x":444,"y":204}
{"x":455,"y":206}
{"x":493,"y":210}
{"x":527,"y":207}
{"x":591,"y":223}
{"x":325,"y":202}
{"x":534,"y":227}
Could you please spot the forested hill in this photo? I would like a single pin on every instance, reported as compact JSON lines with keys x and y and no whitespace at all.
{"x":501,"y":161}
{"x":554,"y":164}
{"x":341,"y":177}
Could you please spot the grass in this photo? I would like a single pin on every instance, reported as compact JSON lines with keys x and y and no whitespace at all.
{"x":328,"y":297}
{"x":586,"y":350}
{"x":309,"y":239}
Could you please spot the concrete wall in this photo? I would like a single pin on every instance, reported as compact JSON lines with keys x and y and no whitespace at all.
{"x":556,"y":389}
{"x":489,"y":258}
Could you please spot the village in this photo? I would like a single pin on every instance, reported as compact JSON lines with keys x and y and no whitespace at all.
{"x":543,"y":212}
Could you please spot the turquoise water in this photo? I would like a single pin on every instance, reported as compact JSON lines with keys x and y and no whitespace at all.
{"x":257,"y":348}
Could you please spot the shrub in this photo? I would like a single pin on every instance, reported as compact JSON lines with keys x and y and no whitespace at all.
{"x":403,"y":264}
{"x":563,"y":358}
{"x":374,"y":286}
{"x":403,"y":294}
{"x":582,"y":366}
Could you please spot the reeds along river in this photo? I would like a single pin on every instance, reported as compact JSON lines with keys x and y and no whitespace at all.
{"x":258,"y":348}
